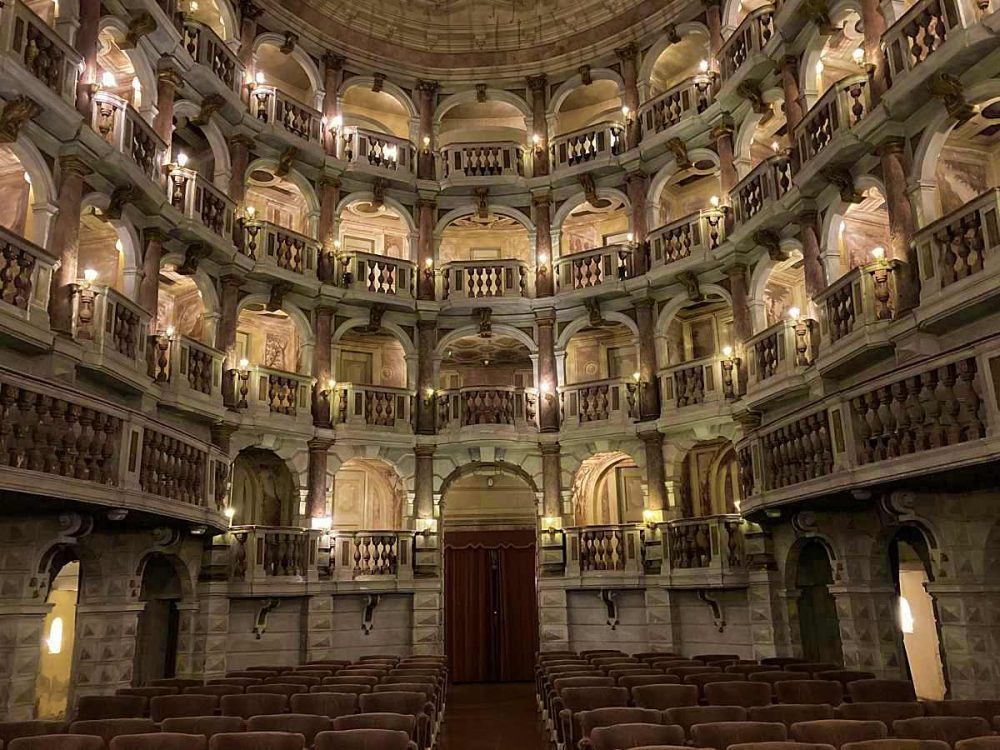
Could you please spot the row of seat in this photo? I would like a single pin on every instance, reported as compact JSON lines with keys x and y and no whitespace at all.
{"x":349,"y":739}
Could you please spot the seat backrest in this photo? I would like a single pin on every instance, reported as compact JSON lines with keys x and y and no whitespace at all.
{"x":894,"y":743}
{"x":11,"y":730}
{"x":709,"y":658}
{"x":676,"y":661}
{"x":884,"y":711}
{"x":361,"y":672}
{"x":57,"y":742}
{"x":662,"y":697}
{"x":91,"y":707}
{"x":238,"y":681}
{"x":635,"y":680}
{"x":278,"y":688}
{"x":253,"y":704}
{"x":618,"y":671}
{"x":748,"y":668}
{"x":148,"y":692}
{"x":792,"y":713}
{"x":983,"y":708}
{"x":358,"y":679}
{"x":257,"y":741}
{"x":843,"y":676}
{"x":568,"y":682}
{"x":838,"y":732}
{"x":110,"y":728}
{"x":346,"y":688}
{"x":863,"y":691}
{"x":168,"y":706}
{"x":177,"y":682}
{"x":786,"y":745}
{"x":377,"y":720}
{"x":587,"y":698}
{"x":308,"y":725}
{"x":625,"y":736}
{"x":813,"y":667}
{"x":292,"y":679}
{"x":159,"y":741}
{"x":809,"y":691}
{"x":429,"y":689}
{"x":403,"y":679}
{"x":744,"y":694}
{"x":975,"y":743}
{"x":608,"y":717}
{"x":722,"y":734}
{"x":363,"y":739}
{"x":688,"y":716}
{"x":774,"y":676}
{"x":216,"y":690}
{"x":398,"y":702}
{"x":330,"y":705}
{"x":781,"y":661}
{"x":949,"y":729}
{"x":703,"y":678}
{"x":206,"y":725}
{"x":684,"y":671}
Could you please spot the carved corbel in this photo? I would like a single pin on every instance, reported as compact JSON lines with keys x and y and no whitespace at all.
{"x":378,"y":193}
{"x":718,"y":618}
{"x":689,"y":280}
{"x":375,"y":313}
{"x":249,"y":11}
{"x":291,"y":39}
{"x":378,"y":81}
{"x":751,"y":92}
{"x":593,"y":308}
{"x":333,"y":61}
{"x":139,"y":26}
{"x":678,"y":148}
{"x":15,"y":113}
{"x":481,"y":92}
{"x":670,"y":32}
{"x":485,"y":315}
{"x":193,"y":255}
{"x":368,"y":615}
{"x":769,"y":239}
{"x":260,"y":622}
{"x":277,"y":296}
{"x":285,"y":160}
{"x":589,"y":187}
{"x":538,"y":83}
{"x":844,"y":181}
{"x":611,"y":606}
{"x":948,"y":88}
{"x":209,"y":106}
{"x":120,"y":197}
{"x":818,"y":12}
{"x":482,"y":202}
{"x":585,"y":77}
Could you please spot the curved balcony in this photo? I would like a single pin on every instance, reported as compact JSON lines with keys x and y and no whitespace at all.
{"x":594,"y":268}
{"x":25,"y":278}
{"x":486,"y":163}
{"x":373,"y":406}
{"x":922,"y":31}
{"x":777,"y":358}
{"x":604,"y":551}
{"x":600,"y":402}
{"x":693,"y":235}
{"x":710,"y":383}
{"x":264,"y":393}
{"x":485,"y":279}
{"x":377,"y":274}
{"x":119,"y":124}
{"x":378,"y":153}
{"x":705,"y":552}
{"x":374,"y":557}
{"x":222,"y":67}
{"x":56,"y":442}
{"x":768,"y":182}
{"x":207,"y":210}
{"x":286,"y":114}
{"x":832,"y":118}
{"x":112,"y":331}
{"x":592,"y":146}
{"x":690,"y":97}
{"x":188,"y":373}
{"x":265,"y":556}
{"x":498,"y":406}
{"x":274,"y":246}
{"x":39,"y":55}
{"x":742,"y":53}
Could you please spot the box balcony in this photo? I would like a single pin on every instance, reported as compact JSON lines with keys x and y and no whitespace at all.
{"x":266,"y":395}
{"x":678,"y":104}
{"x":701,"y":388}
{"x":597,"y":553}
{"x":206,"y":211}
{"x":216,"y":69}
{"x":263,"y":558}
{"x":377,"y":154}
{"x":280,"y":252}
{"x":121,"y":126}
{"x":373,"y":407}
{"x":506,"y":409}
{"x":755,"y":199}
{"x":742,"y":56}
{"x":482,"y":163}
{"x":485,"y":279}
{"x":778,"y":358}
{"x":377,"y":275}
{"x":826,"y":137}
{"x":112,"y":332}
{"x":187,"y":372}
{"x":705,"y":552}
{"x":25,"y":278}
{"x":691,"y":236}
{"x":376,"y":559}
{"x":285,"y":115}
{"x":614,"y":401}
{"x":602,"y":267}
{"x":586,"y":149}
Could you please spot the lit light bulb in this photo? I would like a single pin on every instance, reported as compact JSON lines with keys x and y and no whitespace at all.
{"x":636,"y":376}
{"x":136,"y":86}
{"x":170,"y":332}
{"x":629,"y":237}
{"x":775,"y":146}
{"x":703,"y":66}
{"x":336,"y":244}
{"x":193,"y":6}
{"x":546,"y":388}
{"x":794,"y":313}
{"x":118,"y":246}
{"x":55,"y":640}
{"x":229,"y":512}
{"x":536,"y":139}
{"x":727,"y":351}
{"x":819,"y":67}
{"x":843,"y":226}
{"x":714,"y":201}
{"x":429,"y":393}
{"x":429,"y":263}
{"x":878,"y":253}
{"x":182,"y":160}
{"x":90,"y":275}
{"x":427,"y":141}
{"x":337,"y":121}
{"x":258,"y":78}
{"x":625,"y":110}
{"x":251,"y":212}
{"x":244,"y":364}
{"x":27,"y":178}
{"x":543,"y":259}
{"x":108,"y":79}
{"x":331,"y":383}
{"x":858,"y":55}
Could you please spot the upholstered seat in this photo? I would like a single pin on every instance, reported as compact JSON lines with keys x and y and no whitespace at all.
{"x":746,"y":694}
{"x":254,"y":704}
{"x":308,"y":725}
{"x":864,"y":691}
{"x":721,"y":735}
{"x":107,"y":729}
{"x":838,"y":732}
{"x":92,"y":707}
{"x":169,"y":706}
{"x":885,"y":711}
{"x":830,"y":692}
{"x":949,"y":729}
{"x":791,"y":713}
{"x":206,"y":725}
{"x":625,"y":736}
{"x":257,"y":741}
{"x":330,"y":705}
{"x":57,"y":742}
{"x":159,"y":741}
{"x":662,"y":697}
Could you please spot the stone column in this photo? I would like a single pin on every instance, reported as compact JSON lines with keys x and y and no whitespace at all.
{"x":967,"y":614}
{"x":64,"y":239}
{"x":812,"y":261}
{"x":742,"y":325}
{"x":649,"y":385}
{"x":713,"y":17}
{"x":425,"y":134}
{"x":321,"y":366}
{"x":319,"y":451}
{"x":205,"y":633}
{"x":875,"y":25}
{"x":22,"y":628}
{"x":869,"y":629}
{"x":249,"y":13}
{"x":320,"y":641}
{"x":425,"y":249}
{"x":793,"y":97}
{"x":768,"y":609}
{"x":545,"y":276}
{"x":548,"y":380}
{"x":636,"y":184}
{"x":551,"y":483}
{"x":426,"y":342}
{"x":629,"y":59}
{"x":423,"y":482}
{"x":239,"y":157}
{"x":86,"y":46}
{"x":723,"y":135}
{"x":149,"y":285}
{"x":106,"y":630}
{"x":225,"y":338}
{"x":167,"y":82}
{"x":901,"y":225}
{"x":333,"y":76}
{"x":539,"y":124}
{"x":326,"y":230}
{"x":656,"y":485}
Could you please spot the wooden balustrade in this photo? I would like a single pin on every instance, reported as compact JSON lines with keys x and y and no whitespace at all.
{"x":591,"y":268}
{"x":689,"y":97}
{"x":38,"y":49}
{"x":476,"y":279}
{"x":768,"y":182}
{"x":258,"y":553}
{"x":750,"y":38}
{"x":272,"y":244}
{"x":922,"y":30}
{"x":797,"y":451}
{"x":590,"y":144}
{"x":691,"y":234}
{"x":270,"y":105}
{"x":172,"y":468}
{"x":377,"y":150}
{"x":496,"y":405}
{"x":377,"y":274}
{"x":500,"y":159}
{"x":597,"y":550}
{"x":25,"y":277}
{"x":600,"y":401}
{"x":373,"y":555}
{"x":206,"y":48}
{"x":111,"y":325}
{"x":201,"y":202}
{"x":842,"y":107}
{"x":121,"y":125}
{"x":705,"y":542}
{"x":863,"y":296}
{"x":185,"y":365}
{"x":373,"y":406}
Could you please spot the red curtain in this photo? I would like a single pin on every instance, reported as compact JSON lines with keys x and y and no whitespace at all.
{"x":467,"y":613}
{"x":519,"y":614}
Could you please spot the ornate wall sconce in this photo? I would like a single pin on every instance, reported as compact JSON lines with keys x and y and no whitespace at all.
{"x":243,"y":387}
{"x":85,"y":306}
{"x":730,"y":373}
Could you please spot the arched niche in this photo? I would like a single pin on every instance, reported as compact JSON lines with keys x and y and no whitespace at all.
{"x":217,"y":15}
{"x":678,"y":192}
{"x":761,"y":135}
{"x":811,"y":568}
{"x":856,"y":232}
{"x":187,"y":305}
{"x":293,"y":73}
{"x":581,"y":225}
{"x":368,"y":495}
{"x":575,"y":104}
{"x":670,"y":63}
{"x":377,"y":359}
{"x":54,"y":679}
{"x":288,"y":201}
{"x":504,"y":233}
{"x":777,"y":288}
{"x":708,"y":479}
{"x":485,"y":495}
{"x":109,"y":247}
{"x":693,"y":330}
{"x":608,"y":488}
{"x":26,"y":191}
{"x":475,"y":362}
{"x":389,"y":111}
{"x":264,"y":490}
{"x":204,"y":144}
{"x":832,"y":57}
{"x":161,"y":589}
{"x":275,"y":339}
{"x":385,"y":229}
{"x":123,"y":71}
{"x":473,"y":121}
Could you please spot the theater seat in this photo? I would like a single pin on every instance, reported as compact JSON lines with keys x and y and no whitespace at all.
{"x":159,"y":741}
{"x":662,"y":697}
{"x":11,"y":730}
{"x":977,"y":743}
{"x":206,"y":725}
{"x":791,"y":713}
{"x":342,"y":689}
{"x":830,"y":692}
{"x":57,"y":742}
{"x":787,"y":745}
{"x":169,"y":706}
{"x":688,"y":716}
{"x":364,"y":739}
{"x":893,"y":743}
{"x":108,"y":729}
{"x":257,"y":741}
{"x":838,"y":732}
{"x":722,"y":734}
{"x":93,"y":707}
{"x":884,"y":711}
{"x":626,"y":736}
{"x":382,"y":721}
{"x":217,"y":690}
{"x":746,"y":694}
{"x":148,"y":692}
{"x":865,"y":691}
{"x":330,"y":705}
{"x":948,"y":729}
{"x":256,"y":704}
{"x":588,"y":721}
{"x":984,"y":708}
{"x":308,"y":725}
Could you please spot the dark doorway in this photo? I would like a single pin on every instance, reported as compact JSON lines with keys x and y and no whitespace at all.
{"x":159,"y":622}
{"x":491,"y":616}
{"x":819,"y":626}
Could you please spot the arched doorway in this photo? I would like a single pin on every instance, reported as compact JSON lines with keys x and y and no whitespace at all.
{"x":159,"y":621}
{"x":55,"y":667}
{"x":909,"y":561}
{"x":491,"y":616}
{"x":819,"y":626}
{"x":264,"y":491}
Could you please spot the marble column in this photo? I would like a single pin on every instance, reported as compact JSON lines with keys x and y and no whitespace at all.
{"x":901,"y":224}
{"x":713,"y":18}
{"x":874,"y":23}
{"x":742,"y":324}
{"x":225,"y":338}
{"x":319,"y":451}
{"x":637,"y":183}
{"x":149,"y":285}
{"x":426,"y":343}
{"x":249,"y":13}
{"x":239,"y":157}
{"x":427,"y":100}
{"x":812,"y":260}
{"x":539,"y":124}
{"x":64,"y":241}
{"x":322,"y":369}
{"x":326,"y":231}
{"x":86,"y":46}
{"x":649,"y":384}
{"x":723,"y":135}
{"x":548,"y":380}
{"x":629,"y":55}
{"x":423,"y":482}
{"x":551,"y":482}
{"x":168,"y":81}
{"x":425,"y":249}
{"x":656,"y":486}
{"x":333,"y":76}
{"x":545,"y":275}
{"x":793,"y":96}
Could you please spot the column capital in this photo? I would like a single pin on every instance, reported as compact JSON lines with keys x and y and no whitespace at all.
{"x":319,"y":444}
{"x":650,"y":437}
{"x":541,"y":201}
{"x":325,"y":311}
{"x":427,"y":87}
{"x":241,"y":140}
{"x":725,"y":128}
{"x":326,"y":182}
{"x":627,"y":52}
{"x":423,"y":451}
{"x":808,"y":216}
{"x":426,"y":325}
{"x":538,"y":83}
{"x":789,"y":61}
{"x":713,"y":3}
{"x":170,"y":75}
{"x":423,"y":203}
{"x":891,"y":145}
{"x":333,"y":61}
{"x":545,"y":317}
{"x":231,"y":281}
{"x":154,"y":234}
{"x":636,"y":175}
{"x":736,"y":270}
{"x":549,"y":449}
{"x":72,"y":164}
{"x":644,"y":303}
{"x":249,"y":11}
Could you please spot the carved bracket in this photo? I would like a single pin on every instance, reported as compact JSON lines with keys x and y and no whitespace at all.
{"x":611,"y":606}
{"x":593,"y":307}
{"x":718,"y":618}
{"x":948,"y":88}
{"x":193,"y":255}
{"x":14,"y":114}
{"x":277,"y":297}
{"x":209,"y":106}
{"x":689,"y":279}
{"x":844,"y":181}
{"x":375,"y":313}
{"x":141,"y":25}
{"x":485,"y":322}
{"x":769,"y":240}
{"x":291,"y":39}
{"x":679,"y":149}
{"x":368,"y":615}
{"x":751,"y":91}
{"x":285,"y":160}
{"x":260,"y":623}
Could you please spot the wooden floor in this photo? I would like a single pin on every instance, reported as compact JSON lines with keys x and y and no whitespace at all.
{"x":491,"y":717}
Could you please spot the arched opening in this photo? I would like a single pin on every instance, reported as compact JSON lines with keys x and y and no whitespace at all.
{"x":101,"y":251}
{"x":969,"y":162}
{"x":687,"y":192}
{"x":738,"y":10}
{"x":594,"y":225}
{"x":768,"y":138}
{"x":589,"y":105}
{"x":784,"y":292}
{"x":679,"y":62}
{"x":117,"y":73}
{"x":377,"y":111}
{"x":491,"y":619}
{"x":374,"y":359}
{"x":483,"y":122}
{"x":909,"y":561}
{"x":700,"y":330}
{"x":486,"y":381}
{"x":599,"y":368}
{"x":277,"y":200}
{"x":368,"y":495}
{"x":375,"y":230}
{"x":180,"y":308}
{"x":837,"y":59}
{"x":55,"y":667}
{"x":709,"y":481}
{"x":16,"y":195}
{"x":282,"y":71}
{"x":159,"y":621}
{"x":190,"y":144}
{"x":210,"y":13}
{"x":608,"y":489}
{"x":264,"y":491}
{"x":860,"y":229}
{"x":819,"y":625}
{"x":485,"y":256}
{"x":270,"y":339}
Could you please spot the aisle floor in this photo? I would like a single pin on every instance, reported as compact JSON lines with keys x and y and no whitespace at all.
{"x":491,"y":717}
